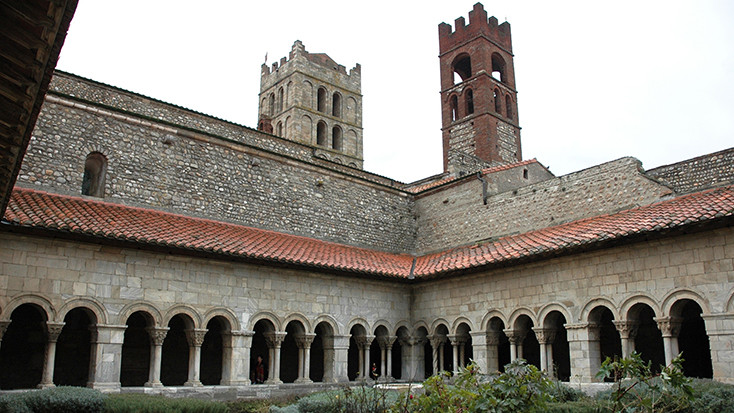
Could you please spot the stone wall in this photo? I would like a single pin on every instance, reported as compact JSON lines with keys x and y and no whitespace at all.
{"x":457,"y":215}
{"x":697,"y":173}
{"x":697,"y":267}
{"x":163,"y":167}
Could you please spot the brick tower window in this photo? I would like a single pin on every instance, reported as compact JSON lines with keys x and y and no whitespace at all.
{"x":95,"y":171}
{"x":497,"y":101}
{"x":454,"y":108}
{"x":462,"y":67}
{"x":336,"y":105}
{"x":321,"y":133}
{"x":469,"y":102}
{"x":336,"y":136}
{"x":498,"y":68}
{"x":321,"y":100}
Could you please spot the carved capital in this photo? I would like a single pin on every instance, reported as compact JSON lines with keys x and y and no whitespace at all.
{"x":305,"y":340}
{"x":515,"y":336}
{"x":493,"y":338}
{"x":545,"y":335}
{"x":457,"y":340}
{"x":274,"y":338}
{"x":363,"y":342}
{"x":196,"y":336}
{"x":386,"y":342}
{"x":157,"y":334}
{"x":54,"y":330}
{"x":627,"y":329}
{"x":437,"y":340}
{"x":669,"y":326}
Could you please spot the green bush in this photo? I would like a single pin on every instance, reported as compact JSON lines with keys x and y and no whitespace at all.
{"x":54,"y":400}
{"x":349,"y":400}
{"x":144,"y":403}
{"x":712,"y":397}
{"x":561,"y":392}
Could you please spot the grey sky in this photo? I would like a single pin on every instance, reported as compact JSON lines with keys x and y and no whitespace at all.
{"x":596,"y":80}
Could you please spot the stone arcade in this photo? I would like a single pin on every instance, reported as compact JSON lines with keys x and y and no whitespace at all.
{"x":162,"y":247}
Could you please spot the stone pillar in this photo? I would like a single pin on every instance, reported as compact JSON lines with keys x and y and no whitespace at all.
{"x":456,"y":343}
{"x":436,"y":347}
{"x":363,"y":344}
{"x":54,"y":331}
{"x":583,"y":347}
{"x":515,"y":337}
{"x":720,"y":329}
{"x":627,"y":333}
{"x":195,"y":338}
{"x":341,"y":359}
{"x":493,"y":351}
{"x":670,"y":329}
{"x":157,"y":335}
{"x":106,"y":356}
{"x":546,"y":337}
{"x":236,"y":357}
{"x":390,"y":342}
{"x":413,"y":368}
{"x":304,"y":357}
{"x":441,"y":356}
{"x":274,"y":339}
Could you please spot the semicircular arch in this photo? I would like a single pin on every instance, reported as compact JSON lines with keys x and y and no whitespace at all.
{"x":89,"y":303}
{"x":143,"y":306}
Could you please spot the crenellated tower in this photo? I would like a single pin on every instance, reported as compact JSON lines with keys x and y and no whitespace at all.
{"x":478,"y":96}
{"x":309,"y":98}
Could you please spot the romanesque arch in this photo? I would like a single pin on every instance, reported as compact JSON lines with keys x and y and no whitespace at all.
{"x":523,"y":339}
{"x":90,"y":304}
{"x":142,"y":306}
{"x":136,"y":346}
{"x":322,"y":350}
{"x":553,"y":342}
{"x":176,"y":351}
{"x":441,"y":347}
{"x":292,"y":352}
{"x":461,"y":343}
{"x":216,"y":347}
{"x":358,"y":353}
{"x":193,"y":315}
{"x":689,"y":335}
{"x":74,"y":346}
{"x":401,"y":348}
{"x":24,"y":343}
{"x":498,"y":345}
{"x":645,"y":335}
{"x":265,"y":339}
{"x":601,"y":318}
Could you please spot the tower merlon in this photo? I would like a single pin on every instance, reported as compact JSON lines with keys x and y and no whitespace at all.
{"x":479,"y":24}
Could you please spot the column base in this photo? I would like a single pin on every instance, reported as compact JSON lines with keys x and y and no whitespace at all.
{"x":274,"y":381}
{"x":303,"y":381}
{"x":193,"y":383}
{"x":46,"y":386}
{"x":155,"y":384}
{"x":105,"y":387}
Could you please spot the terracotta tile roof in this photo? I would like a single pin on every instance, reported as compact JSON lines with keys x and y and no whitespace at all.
{"x":429,"y":185}
{"x":670,"y":214}
{"x":87,"y":217}
{"x":76,"y":215}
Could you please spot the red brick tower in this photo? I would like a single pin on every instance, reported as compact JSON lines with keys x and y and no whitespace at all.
{"x":478,"y":97}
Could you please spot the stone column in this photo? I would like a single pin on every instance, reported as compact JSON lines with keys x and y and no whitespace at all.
{"x":304,"y":357}
{"x":413,"y":368}
{"x":363,"y":344}
{"x":274,"y":339}
{"x":442,"y":355}
{"x":236,"y":357}
{"x":456,"y":342}
{"x":493,"y":351}
{"x":390,"y":342}
{"x":583,"y":347}
{"x":106,"y":356}
{"x":546,"y":337}
{"x":157,"y":335}
{"x":54,"y":331}
{"x":436,"y":347}
{"x":720,"y":329}
{"x":382,"y":342}
{"x":670,"y":328}
{"x":515,"y":337}
{"x":195,"y":338}
{"x":341,"y":359}
{"x":627,"y":333}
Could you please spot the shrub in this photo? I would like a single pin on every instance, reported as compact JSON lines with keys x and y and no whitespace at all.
{"x":712,"y":397}
{"x":361,"y":399}
{"x":145,"y":403}
{"x":54,"y":400}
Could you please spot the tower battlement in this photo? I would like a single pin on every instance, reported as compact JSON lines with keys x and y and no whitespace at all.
{"x":321,"y":59}
{"x":479,"y":24}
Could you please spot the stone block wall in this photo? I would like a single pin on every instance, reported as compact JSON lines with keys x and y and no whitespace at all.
{"x":457,"y":215}
{"x":697,"y":173}
{"x":195,"y":174}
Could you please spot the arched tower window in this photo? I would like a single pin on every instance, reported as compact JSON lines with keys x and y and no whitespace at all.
{"x":336,"y":107}
{"x":321,"y":100}
{"x":497,"y":101}
{"x":462,"y":67}
{"x":469,"y":102}
{"x":454,"y":108}
{"x":498,"y":68}
{"x":321,"y":133}
{"x":271,"y":104}
{"x":280,"y":100}
{"x":336,"y":135}
{"x":508,"y":106}
{"x":279,"y":129}
{"x":95,"y":171}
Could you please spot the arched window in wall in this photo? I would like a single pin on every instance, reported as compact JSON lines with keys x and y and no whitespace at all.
{"x":280,"y":100}
{"x":469,"y":102}
{"x":336,"y":136}
{"x":279,"y":129}
{"x":508,"y":106}
{"x":271,"y":104}
{"x":499,"y":68}
{"x":454,"y":108}
{"x":336,"y":108}
{"x":497,"y":101}
{"x":321,"y":133}
{"x":462,"y":68}
{"x":321,"y":100}
{"x":95,"y":171}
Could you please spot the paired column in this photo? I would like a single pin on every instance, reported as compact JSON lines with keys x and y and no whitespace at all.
{"x":304,"y":357}
{"x":274,"y":340}
{"x":670,"y":328}
{"x":363,"y":344}
{"x":627,"y":333}
{"x":546,"y":337}
{"x":195,"y":338}
{"x":386,"y":343}
{"x":457,"y":344}
{"x":437,"y":343}
{"x":54,"y":331}
{"x":516,"y":338}
{"x":157,"y":336}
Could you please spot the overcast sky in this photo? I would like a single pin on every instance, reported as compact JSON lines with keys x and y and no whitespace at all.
{"x":596,"y":80}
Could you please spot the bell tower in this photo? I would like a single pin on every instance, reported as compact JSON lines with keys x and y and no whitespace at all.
{"x":478,"y":96}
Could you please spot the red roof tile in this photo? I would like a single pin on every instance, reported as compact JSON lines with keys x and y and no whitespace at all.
{"x":76,"y":215}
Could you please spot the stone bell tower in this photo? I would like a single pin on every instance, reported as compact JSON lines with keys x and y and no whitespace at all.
{"x":478,"y":96}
